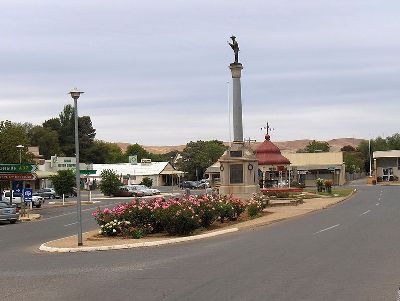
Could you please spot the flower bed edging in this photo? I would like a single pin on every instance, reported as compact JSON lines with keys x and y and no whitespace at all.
{"x":46,"y":248}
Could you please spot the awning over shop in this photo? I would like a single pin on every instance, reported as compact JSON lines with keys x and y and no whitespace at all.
{"x":42,"y":174}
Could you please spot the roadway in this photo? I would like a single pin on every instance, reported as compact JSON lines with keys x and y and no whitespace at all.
{"x":347,"y":252}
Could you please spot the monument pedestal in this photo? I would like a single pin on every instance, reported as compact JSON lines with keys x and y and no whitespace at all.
{"x":239,"y":172}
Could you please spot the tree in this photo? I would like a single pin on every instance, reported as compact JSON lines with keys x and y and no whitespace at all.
{"x":106,"y":152}
{"x":11,"y":135}
{"x":64,"y":181}
{"x":378,"y":144}
{"x":199,"y":156}
{"x":348,"y":148}
{"x":109,"y":182}
{"x":354,"y":161}
{"x":315,"y":147}
{"x":64,"y":125}
{"x":147,"y":182}
{"x":139,"y":151}
{"x":47,"y":140}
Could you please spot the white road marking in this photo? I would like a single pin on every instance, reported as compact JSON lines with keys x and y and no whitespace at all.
{"x":70,"y":224}
{"x":327,"y":229}
{"x":69,"y":213}
{"x":365,"y":212}
{"x":377,"y":204}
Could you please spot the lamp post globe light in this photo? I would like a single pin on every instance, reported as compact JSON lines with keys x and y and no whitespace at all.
{"x":20,"y":147}
{"x":75,"y":93}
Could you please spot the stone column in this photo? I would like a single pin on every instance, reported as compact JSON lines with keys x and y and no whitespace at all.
{"x":236,"y":69}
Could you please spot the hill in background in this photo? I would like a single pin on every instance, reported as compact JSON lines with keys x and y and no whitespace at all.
{"x":287,"y":146}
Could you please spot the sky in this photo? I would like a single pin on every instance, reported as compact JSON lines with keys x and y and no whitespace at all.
{"x":156,"y":72}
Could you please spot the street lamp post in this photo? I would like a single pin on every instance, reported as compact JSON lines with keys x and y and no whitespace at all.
{"x":75,"y":93}
{"x":20,"y":147}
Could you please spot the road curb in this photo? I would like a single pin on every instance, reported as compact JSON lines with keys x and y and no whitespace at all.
{"x":32,"y":217}
{"x":45,"y":248}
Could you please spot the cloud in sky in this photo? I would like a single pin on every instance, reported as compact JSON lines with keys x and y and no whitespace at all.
{"x":156,"y":72}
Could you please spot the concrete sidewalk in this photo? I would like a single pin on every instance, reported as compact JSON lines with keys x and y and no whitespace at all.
{"x":276,"y":214}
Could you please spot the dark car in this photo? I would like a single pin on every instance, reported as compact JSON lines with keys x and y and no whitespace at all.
{"x":124,"y":192}
{"x":47,"y":193}
{"x":8,"y":212}
{"x":188,"y":184}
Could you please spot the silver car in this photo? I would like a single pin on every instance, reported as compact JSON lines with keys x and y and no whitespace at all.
{"x":8,"y":212}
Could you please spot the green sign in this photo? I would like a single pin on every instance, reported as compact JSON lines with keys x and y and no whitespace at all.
{"x":88,"y":172}
{"x":18,"y":168}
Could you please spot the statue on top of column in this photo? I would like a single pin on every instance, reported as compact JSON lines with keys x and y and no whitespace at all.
{"x":235,"y":46}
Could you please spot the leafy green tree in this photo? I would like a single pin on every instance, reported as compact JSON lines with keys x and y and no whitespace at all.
{"x":354,"y":161}
{"x":109,"y":182}
{"x":315,"y":147}
{"x":86,"y":138}
{"x":47,"y":140}
{"x":106,"y":152}
{"x":348,"y":148}
{"x":199,"y":156}
{"x":139,"y":151}
{"x":11,"y":135}
{"x":147,"y":182}
{"x":53,"y":124}
{"x":378,"y":144}
{"x":64,"y":125}
{"x":64,"y":181}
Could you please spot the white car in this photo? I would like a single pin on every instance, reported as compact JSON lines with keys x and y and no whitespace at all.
{"x":37,"y":200}
{"x":144,"y":189}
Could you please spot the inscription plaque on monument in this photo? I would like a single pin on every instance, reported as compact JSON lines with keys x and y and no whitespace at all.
{"x":236,"y":173}
{"x":236,"y":154}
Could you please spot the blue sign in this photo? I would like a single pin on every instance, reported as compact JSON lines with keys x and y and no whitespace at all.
{"x":17,"y":186}
{"x":28,"y":194}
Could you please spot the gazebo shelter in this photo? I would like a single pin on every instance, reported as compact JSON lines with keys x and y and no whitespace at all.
{"x":273,"y":168}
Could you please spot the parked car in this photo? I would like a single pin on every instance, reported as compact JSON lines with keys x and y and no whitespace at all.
{"x":37,"y":200}
{"x":8,"y":212}
{"x":142,"y":189}
{"x":204,"y":183}
{"x":123,"y":192}
{"x":135,"y":191}
{"x":188,"y":184}
{"x":153,"y":190}
{"x":47,"y":193}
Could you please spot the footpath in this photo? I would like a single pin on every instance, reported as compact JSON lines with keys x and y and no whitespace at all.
{"x":274,"y":214}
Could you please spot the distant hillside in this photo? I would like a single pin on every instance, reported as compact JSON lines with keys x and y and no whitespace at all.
{"x":287,"y":146}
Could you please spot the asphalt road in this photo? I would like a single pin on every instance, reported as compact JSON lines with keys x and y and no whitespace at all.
{"x":350,"y":251}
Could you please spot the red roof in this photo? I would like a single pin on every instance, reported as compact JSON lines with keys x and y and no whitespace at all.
{"x":269,"y":154}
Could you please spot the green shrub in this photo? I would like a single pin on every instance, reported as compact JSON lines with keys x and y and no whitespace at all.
{"x":147,"y":182}
{"x":179,"y":220}
{"x":253,"y":209}
{"x":109,"y":182}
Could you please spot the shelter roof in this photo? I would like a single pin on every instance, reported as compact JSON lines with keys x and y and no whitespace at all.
{"x":269,"y":154}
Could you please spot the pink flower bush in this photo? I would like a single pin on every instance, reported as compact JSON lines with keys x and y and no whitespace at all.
{"x":177,"y":216}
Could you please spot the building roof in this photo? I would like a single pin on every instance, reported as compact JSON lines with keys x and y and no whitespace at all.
{"x":213,"y":168}
{"x":387,"y":154}
{"x":314,"y":160}
{"x":140,"y":169}
{"x":269,"y":154}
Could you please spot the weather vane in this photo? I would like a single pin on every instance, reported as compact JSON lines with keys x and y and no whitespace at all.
{"x":267,"y":128}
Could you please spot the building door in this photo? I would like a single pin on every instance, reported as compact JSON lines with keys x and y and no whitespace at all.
{"x":387,"y":174}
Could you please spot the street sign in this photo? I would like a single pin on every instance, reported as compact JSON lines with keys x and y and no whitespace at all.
{"x":17,"y":168}
{"x":28,"y":194}
{"x":87,"y":172}
{"x":17,"y":186}
{"x":18,"y":176}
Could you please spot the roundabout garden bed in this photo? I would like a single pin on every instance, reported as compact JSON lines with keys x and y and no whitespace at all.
{"x":189,"y":215}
